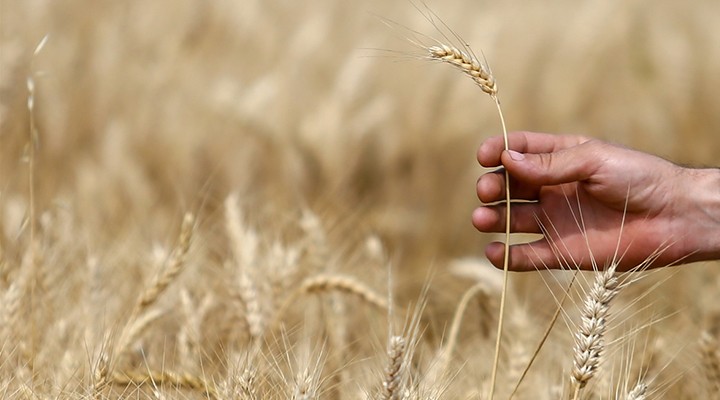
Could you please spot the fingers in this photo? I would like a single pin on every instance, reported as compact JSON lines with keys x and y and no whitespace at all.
{"x":524,"y":142}
{"x":572,"y":164}
{"x":522,"y":218}
{"x":491,"y":188}
{"x":532,"y":256}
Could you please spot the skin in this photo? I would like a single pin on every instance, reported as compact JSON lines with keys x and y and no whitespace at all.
{"x":670,"y":212}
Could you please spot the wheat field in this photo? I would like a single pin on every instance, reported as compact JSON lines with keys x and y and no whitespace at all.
{"x":271,"y":199}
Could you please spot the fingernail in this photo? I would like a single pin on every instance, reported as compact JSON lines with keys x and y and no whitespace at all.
{"x":516,"y":156}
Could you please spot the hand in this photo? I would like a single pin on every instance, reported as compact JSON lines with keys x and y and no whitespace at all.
{"x":580,"y":189}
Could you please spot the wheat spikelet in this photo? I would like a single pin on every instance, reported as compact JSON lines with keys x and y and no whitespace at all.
{"x":589,"y":340}
{"x":639,"y":392}
{"x":328,"y":283}
{"x":391,"y":387}
{"x":710,"y":349}
{"x":173,"y":268}
{"x":11,"y":305}
{"x":345,"y":284}
{"x":246,"y":384}
{"x":466,"y":63}
{"x":244,"y":244}
{"x":141,"y":317}
{"x":306,"y":386}
{"x":240,"y":381}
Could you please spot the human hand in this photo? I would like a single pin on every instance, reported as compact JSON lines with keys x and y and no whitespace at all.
{"x":670,"y":212}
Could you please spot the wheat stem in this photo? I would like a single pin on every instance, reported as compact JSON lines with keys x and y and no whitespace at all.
{"x":483,"y":77}
{"x":506,"y":256}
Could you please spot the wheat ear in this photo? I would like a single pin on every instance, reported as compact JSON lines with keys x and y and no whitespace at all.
{"x":244,"y":244}
{"x":483,"y":77}
{"x":188,"y":381}
{"x":328,"y":283}
{"x":589,"y":340}
{"x":466,"y":63}
{"x":710,"y":349}
{"x":173,"y":268}
{"x":344,"y":284}
{"x":141,"y":317}
{"x":392,"y":382}
{"x":639,"y":392}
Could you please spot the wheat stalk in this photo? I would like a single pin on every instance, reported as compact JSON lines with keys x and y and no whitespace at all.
{"x":442,"y":359}
{"x":589,"y":340}
{"x":483,"y":77}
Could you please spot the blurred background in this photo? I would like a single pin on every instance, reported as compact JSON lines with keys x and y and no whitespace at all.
{"x":145,"y":110}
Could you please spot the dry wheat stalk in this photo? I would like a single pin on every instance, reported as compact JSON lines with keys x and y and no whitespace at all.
{"x":392,"y":383}
{"x":482,"y":76}
{"x":589,"y":340}
{"x":442,"y":359}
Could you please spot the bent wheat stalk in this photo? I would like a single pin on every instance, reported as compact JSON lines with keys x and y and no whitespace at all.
{"x":482,"y":76}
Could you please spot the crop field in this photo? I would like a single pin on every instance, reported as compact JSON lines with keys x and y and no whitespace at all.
{"x":249,"y":199}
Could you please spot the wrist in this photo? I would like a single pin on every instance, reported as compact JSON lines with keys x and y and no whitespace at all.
{"x":703,"y":211}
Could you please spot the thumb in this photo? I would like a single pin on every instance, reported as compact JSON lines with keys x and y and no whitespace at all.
{"x":573,"y":164}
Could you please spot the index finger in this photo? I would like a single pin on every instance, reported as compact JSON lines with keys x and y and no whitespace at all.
{"x":488,"y":154}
